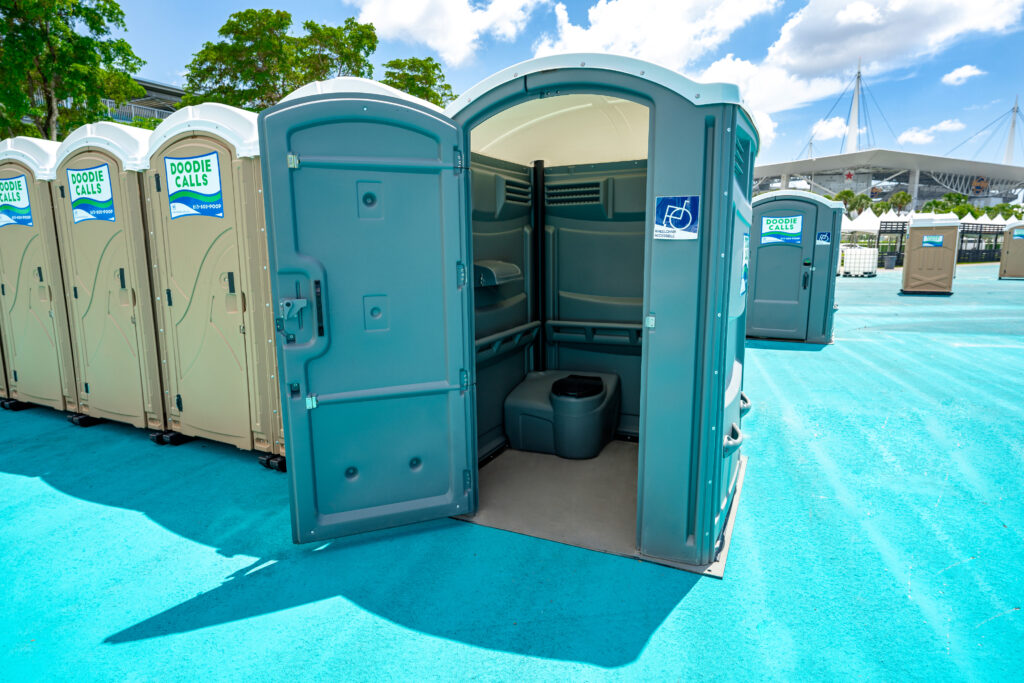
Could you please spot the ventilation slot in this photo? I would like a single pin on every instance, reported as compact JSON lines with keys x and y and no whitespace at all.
{"x":741,"y":163}
{"x":517,"y":192}
{"x":574,"y":193}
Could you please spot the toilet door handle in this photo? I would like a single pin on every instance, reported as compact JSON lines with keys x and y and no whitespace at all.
{"x":807,"y":276}
{"x":744,"y":404}
{"x":733,"y":440}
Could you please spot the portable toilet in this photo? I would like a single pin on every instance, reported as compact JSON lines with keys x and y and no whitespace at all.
{"x":553,"y":264}
{"x":930,"y":259}
{"x":1011,"y":260}
{"x":208,"y":246}
{"x":102,"y":236}
{"x":794,"y":256}
{"x":33,"y":315}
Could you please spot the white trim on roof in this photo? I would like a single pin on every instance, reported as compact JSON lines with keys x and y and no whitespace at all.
{"x":798,"y":194}
{"x":934,"y":220}
{"x":129,"y":144}
{"x":235,"y":126}
{"x":348,"y":85}
{"x":38,"y":154}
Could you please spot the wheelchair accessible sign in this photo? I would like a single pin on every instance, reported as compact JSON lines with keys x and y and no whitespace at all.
{"x":676,"y":218}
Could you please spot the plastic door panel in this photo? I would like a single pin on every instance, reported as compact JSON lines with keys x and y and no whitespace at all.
{"x":367,"y":221}
{"x":782,"y":249}
{"x":200,"y":290}
{"x":103,"y":303}
{"x":27,"y":288}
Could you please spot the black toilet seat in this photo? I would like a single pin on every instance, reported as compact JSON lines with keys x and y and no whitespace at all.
{"x":578,"y":386}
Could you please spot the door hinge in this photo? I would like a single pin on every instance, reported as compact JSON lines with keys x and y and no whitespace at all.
{"x":156,"y":177}
{"x":177,"y":401}
{"x":467,"y":480}
{"x":292,"y":160}
{"x":168,"y":292}
{"x":312,"y":402}
{"x":463,"y":380}
{"x":459,"y":161}
{"x":460,"y":274}
{"x":241,"y":329}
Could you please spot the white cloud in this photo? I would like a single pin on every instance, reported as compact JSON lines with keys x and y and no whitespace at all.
{"x":922,"y":136}
{"x":829,"y":129}
{"x":452,"y":28}
{"x":859,"y":12}
{"x":960,"y":75}
{"x":813,"y":43}
{"x":672,"y":33}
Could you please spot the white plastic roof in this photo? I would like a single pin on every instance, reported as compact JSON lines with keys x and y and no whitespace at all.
{"x":129,"y":144}
{"x":38,"y":154}
{"x":847,"y":225}
{"x":563,"y":130}
{"x":352,"y":84}
{"x":934,"y":220}
{"x":798,"y":194}
{"x":235,"y":126}
{"x":698,"y":93}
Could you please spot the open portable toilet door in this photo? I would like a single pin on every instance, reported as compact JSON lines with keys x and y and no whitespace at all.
{"x":368,"y":205}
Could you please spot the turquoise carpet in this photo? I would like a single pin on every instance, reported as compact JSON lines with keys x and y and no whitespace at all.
{"x":880,"y":536}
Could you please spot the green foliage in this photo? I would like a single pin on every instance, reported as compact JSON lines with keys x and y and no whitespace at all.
{"x":845,"y":196}
{"x":880,"y":207}
{"x":58,"y":62}
{"x":257,"y":62}
{"x":147,"y":122}
{"x":420,"y":77}
{"x":900,"y":200}
{"x":858,"y":204}
{"x":331,"y":51}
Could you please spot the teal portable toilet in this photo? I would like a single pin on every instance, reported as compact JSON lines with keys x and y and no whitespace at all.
{"x":525,"y":310}
{"x":794,"y":256}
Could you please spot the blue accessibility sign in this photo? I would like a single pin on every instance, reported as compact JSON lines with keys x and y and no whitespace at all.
{"x":677,"y":218}
{"x":823,"y":238}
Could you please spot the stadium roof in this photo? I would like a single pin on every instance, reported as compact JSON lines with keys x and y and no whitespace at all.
{"x":953,"y":173}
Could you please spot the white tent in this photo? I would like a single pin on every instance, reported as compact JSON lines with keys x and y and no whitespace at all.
{"x":847,"y":225}
{"x":866,"y":222}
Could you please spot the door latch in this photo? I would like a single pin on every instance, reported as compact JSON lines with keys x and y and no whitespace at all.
{"x":290,"y":308}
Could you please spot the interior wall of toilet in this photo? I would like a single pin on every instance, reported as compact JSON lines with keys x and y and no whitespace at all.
{"x":586,"y":300}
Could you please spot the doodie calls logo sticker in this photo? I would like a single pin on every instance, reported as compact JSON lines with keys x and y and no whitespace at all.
{"x":92,"y":198}
{"x":193,"y":186}
{"x":781,"y":230}
{"x":14,"y":205}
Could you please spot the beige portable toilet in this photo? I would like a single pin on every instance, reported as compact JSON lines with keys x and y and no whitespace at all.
{"x":929,"y":262}
{"x":102,"y":235}
{"x":1011,"y":260}
{"x":33,"y":315}
{"x":208,"y":246}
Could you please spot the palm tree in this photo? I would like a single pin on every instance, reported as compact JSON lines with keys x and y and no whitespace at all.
{"x":900,"y":199}
{"x":881,"y":207}
{"x":859,"y":203}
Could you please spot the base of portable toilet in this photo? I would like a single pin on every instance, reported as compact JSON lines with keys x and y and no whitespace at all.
{"x":538,"y":495}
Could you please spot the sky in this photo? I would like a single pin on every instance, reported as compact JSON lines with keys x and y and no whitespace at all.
{"x":937,"y":71}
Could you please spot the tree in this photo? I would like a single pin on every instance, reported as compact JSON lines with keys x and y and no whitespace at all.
{"x":420,"y":77}
{"x":881,"y":207}
{"x":58,"y":62}
{"x":331,"y":51}
{"x":900,"y":200}
{"x":845,"y":196}
{"x":257,"y":62}
{"x":858,"y":204}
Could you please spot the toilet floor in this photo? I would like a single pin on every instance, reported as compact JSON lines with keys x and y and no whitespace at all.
{"x":585,"y":503}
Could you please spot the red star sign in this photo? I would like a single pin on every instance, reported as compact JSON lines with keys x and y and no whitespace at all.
{"x":849,"y":176}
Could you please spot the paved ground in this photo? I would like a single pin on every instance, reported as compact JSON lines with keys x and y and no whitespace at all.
{"x":880,"y":535}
